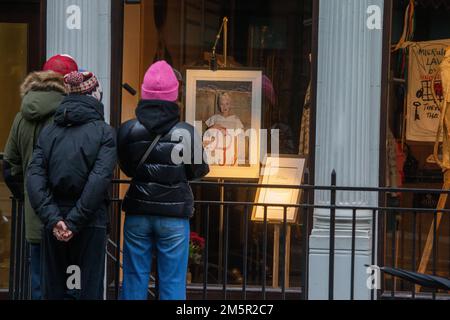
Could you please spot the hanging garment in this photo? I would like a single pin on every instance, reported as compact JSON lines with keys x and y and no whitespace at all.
{"x":401,"y":159}
{"x":395,"y":161}
{"x":392,"y":173}
{"x":409,"y":26}
{"x":444,"y":122}
{"x":422,"y":113}
{"x":304,"y":127}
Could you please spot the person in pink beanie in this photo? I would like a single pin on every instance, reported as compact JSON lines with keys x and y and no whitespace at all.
{"x":159,"y":202}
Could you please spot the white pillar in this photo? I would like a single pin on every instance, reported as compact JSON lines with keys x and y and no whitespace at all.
{"x":347,"y":140}
{"x":88,"y":41}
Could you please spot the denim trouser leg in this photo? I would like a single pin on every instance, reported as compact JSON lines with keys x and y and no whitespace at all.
{"x":137,"y":257}
{"x":170,"y":238}
{"x":35,"y":268}
{"x":172,"y":243}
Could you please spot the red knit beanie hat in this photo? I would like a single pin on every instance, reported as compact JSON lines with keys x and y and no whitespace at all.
{"x":61,"y":63}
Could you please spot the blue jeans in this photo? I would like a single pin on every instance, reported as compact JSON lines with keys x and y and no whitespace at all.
{"x":35,"y":268}
{"x":169,"y":238}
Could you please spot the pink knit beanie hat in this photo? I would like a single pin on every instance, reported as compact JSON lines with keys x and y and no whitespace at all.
{"x":160,"y":83}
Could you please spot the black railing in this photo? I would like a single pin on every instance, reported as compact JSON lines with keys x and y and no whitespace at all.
{"x":206,"y":209}
{"x":253,"y":256}
{"x":19,"y":276}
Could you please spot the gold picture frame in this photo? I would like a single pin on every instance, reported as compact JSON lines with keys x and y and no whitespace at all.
{"x":244,"y":90}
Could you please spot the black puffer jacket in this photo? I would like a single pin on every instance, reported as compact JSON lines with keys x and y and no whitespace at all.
{"x":72,"y":166}
{"x":160,"y":187}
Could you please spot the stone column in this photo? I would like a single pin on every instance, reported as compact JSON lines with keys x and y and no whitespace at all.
{"x":82,"y":29}
{"x":347,"y":140}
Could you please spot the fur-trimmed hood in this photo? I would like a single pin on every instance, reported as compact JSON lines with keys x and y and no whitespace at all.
{"x":42,"y":92}
{"x":43,"y":81}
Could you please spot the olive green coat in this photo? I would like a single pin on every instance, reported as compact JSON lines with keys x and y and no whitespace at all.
{"x":42,"y":93}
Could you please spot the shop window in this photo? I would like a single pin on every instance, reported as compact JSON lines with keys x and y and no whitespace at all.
{"x":262,"y":35}
{"x":419,"y":39}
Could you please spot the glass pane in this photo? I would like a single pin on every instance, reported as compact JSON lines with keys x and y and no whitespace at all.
{"x":412,"y":164}
{"x":260,"y":35}
{"x":13,"y":69}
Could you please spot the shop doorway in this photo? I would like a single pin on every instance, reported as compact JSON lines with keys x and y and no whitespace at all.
{"x":22,"y":43}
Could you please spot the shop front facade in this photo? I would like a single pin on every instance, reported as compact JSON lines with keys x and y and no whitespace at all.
{"x":328,"y":85}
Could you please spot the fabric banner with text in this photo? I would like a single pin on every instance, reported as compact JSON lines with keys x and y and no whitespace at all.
{"x":422,"y":116}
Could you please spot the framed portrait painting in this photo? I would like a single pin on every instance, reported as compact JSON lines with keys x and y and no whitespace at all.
{"x":225,"y":108}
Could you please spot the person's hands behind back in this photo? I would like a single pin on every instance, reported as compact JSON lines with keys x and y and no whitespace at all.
{"x":61,"y":232}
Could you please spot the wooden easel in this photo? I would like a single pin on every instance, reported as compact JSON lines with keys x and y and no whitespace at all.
{"x":276,"y":256}
{"x":436,"y":221}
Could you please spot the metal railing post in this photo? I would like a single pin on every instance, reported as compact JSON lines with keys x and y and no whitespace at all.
{"x":283,"y":254}
{"x":118,"y":230}
{"x":264,"y":264}
{"x":225,"y":252}
{"x":332,"y":236}
{"x":374,"y":220}
{"x":245,"y":263}
{"x":352,"y":267}
{"x":20,"y":267}
{"x":12,"y":262}
{"x":206,"y":255}
{"x":305,"y":233}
